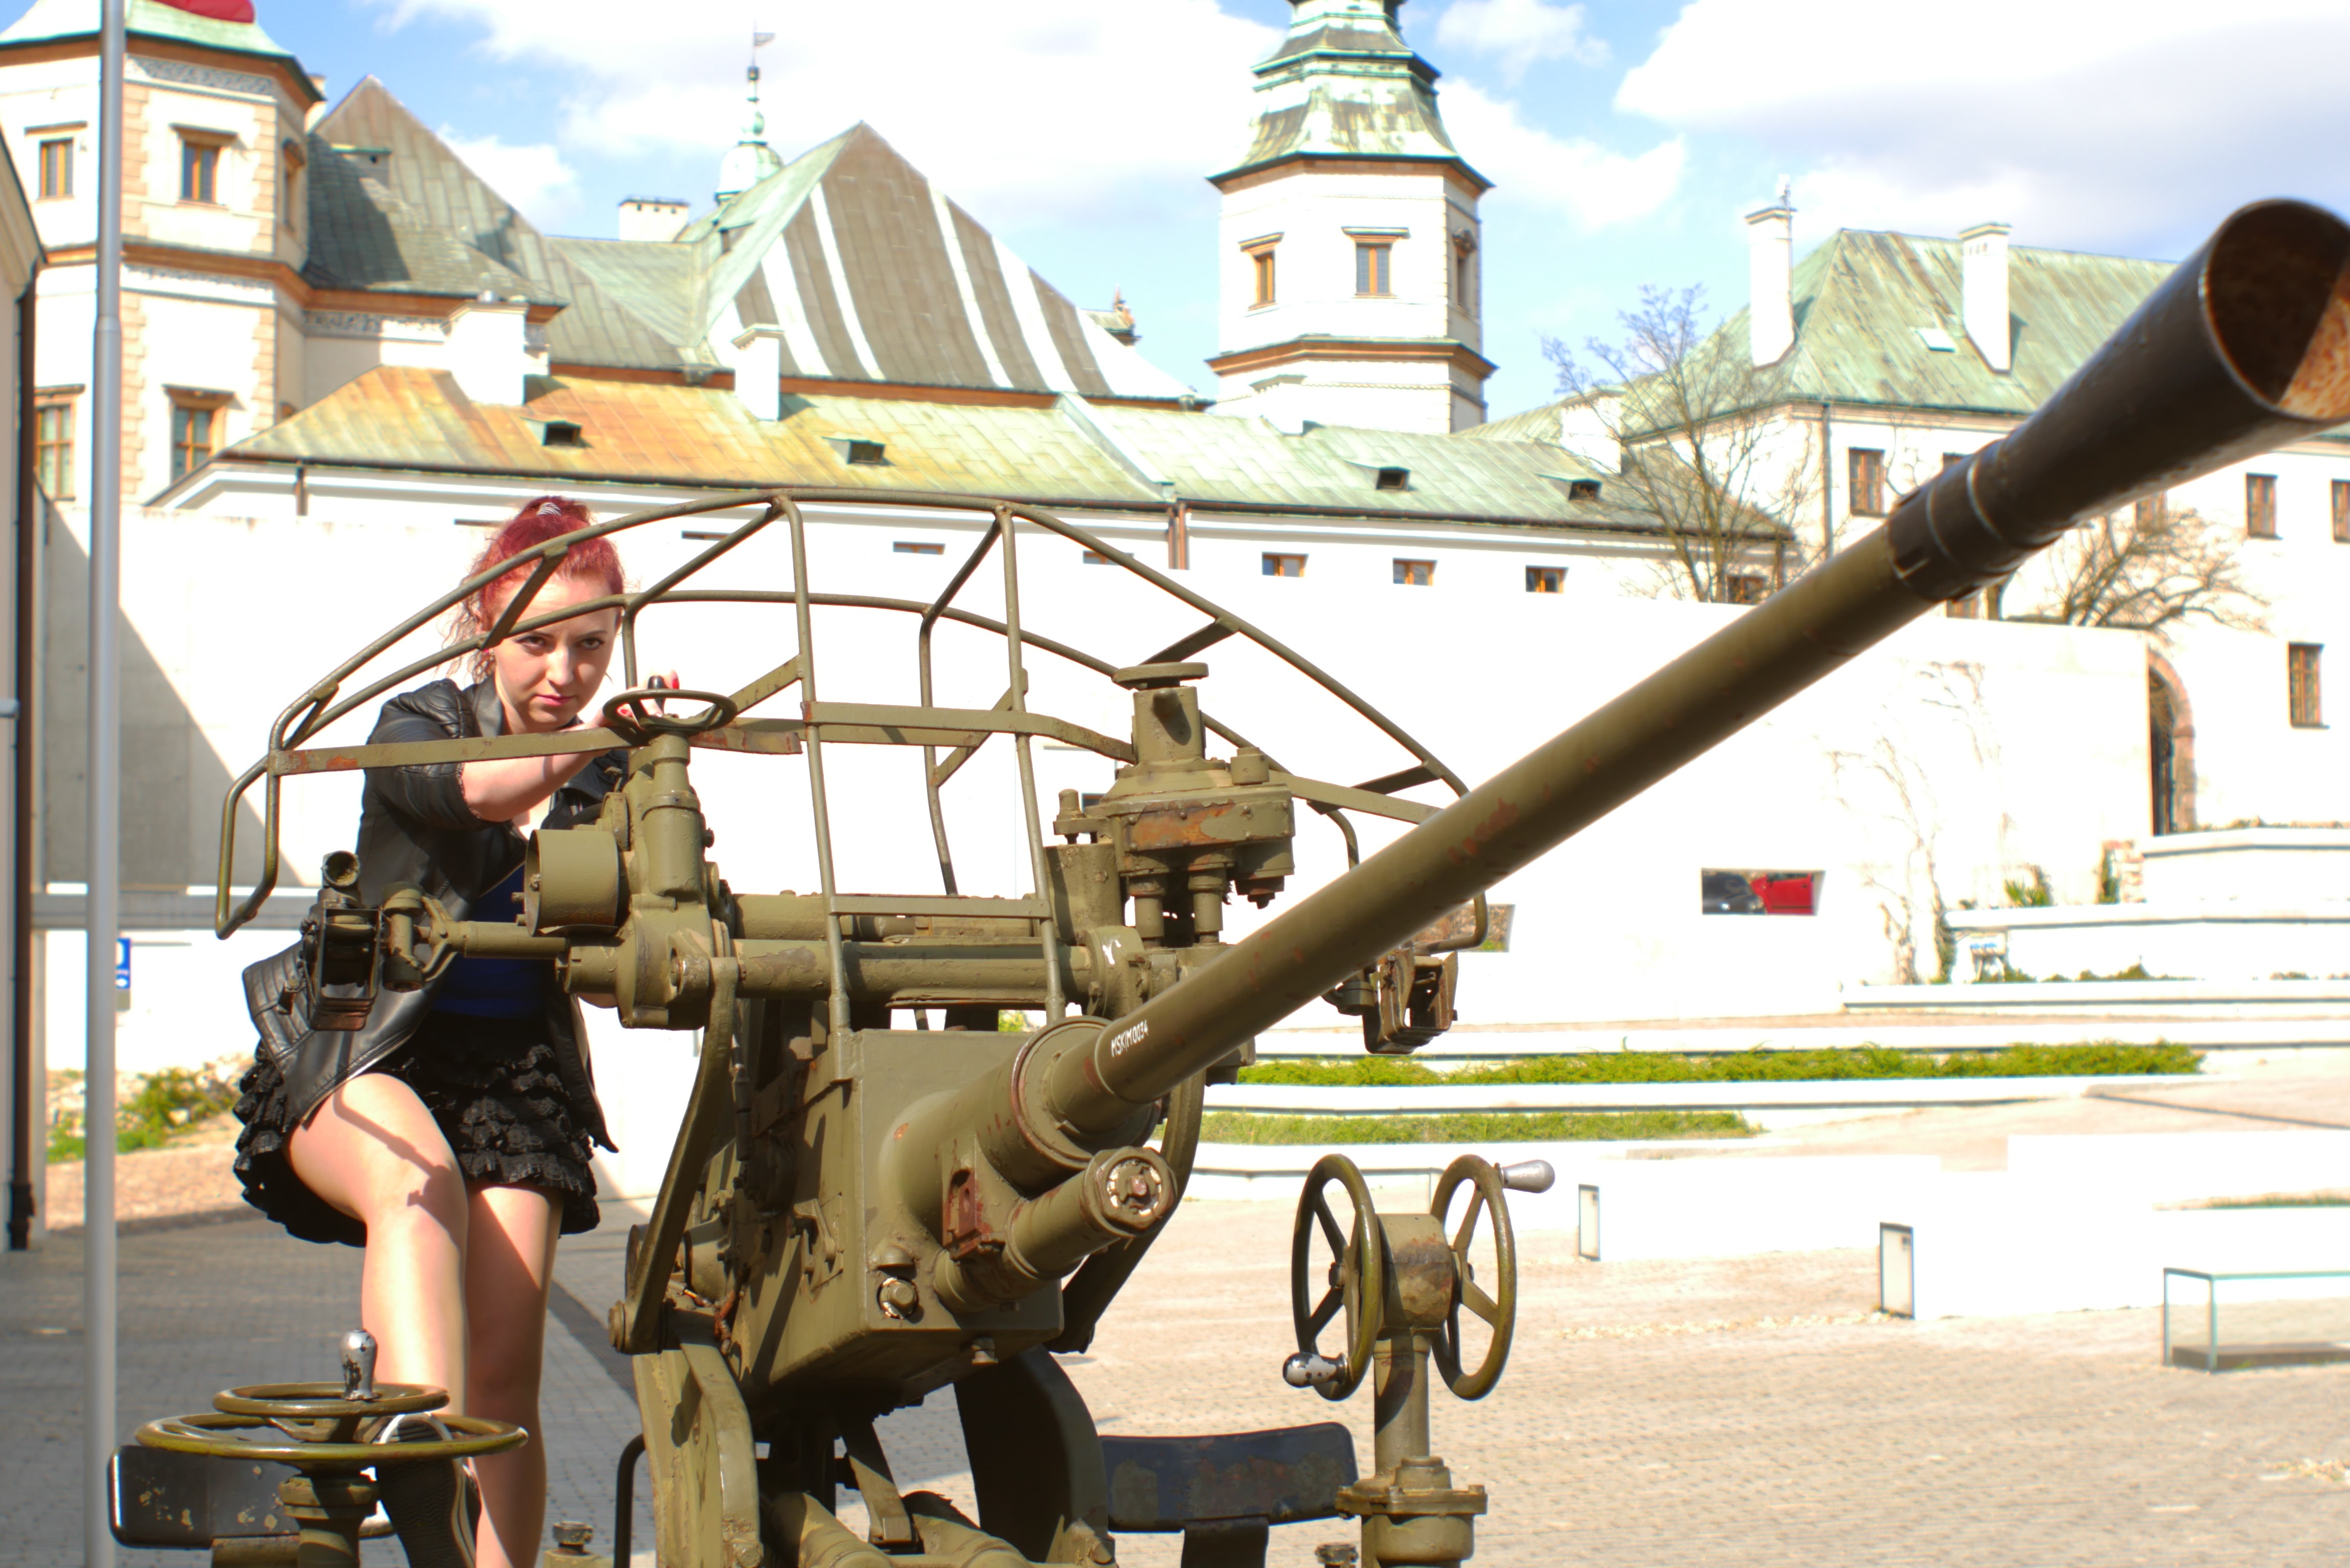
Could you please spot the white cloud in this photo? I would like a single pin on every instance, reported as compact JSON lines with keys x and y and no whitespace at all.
{"x":1528,"y":165}
{"x":1052,"y":110}
{"x":534,"y":177}
{"x":2082,"y":123}
{"x":1520,"y":32}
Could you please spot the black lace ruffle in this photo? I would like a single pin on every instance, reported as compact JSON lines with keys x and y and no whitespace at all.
{"x":493,"y":1089}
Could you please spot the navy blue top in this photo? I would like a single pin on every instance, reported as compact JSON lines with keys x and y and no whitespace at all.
{"x":494,"y":987}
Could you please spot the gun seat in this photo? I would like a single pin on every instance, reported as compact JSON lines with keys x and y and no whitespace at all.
{"x":1226,"y":1491}
{"x":156,"y":1497}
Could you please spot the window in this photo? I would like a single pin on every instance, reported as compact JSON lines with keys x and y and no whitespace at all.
{"x":1747,"y":588}
{"x":560,"y":433}
{"x":1864,"y":470}
{"x":1372,"y":266}
{"x":289,"y":198}
{"x":1285,"y":566}
{"x":1394,"y":479}
{"x":1260,"y":256}
{"x":868,"y":454}
{"x":195,"y":433}
{"x":1545,"y":579}
{"x":1582,"y":490}
{"x":909,"y":547}
{"x":1967,"y":608}
{"x":2302,"y":696}
{"x":1414,"y":574}
{"x":2260,"y":506}
{"x":2341,"y":510}
{"x":199,"y":169}
{"x":53,"y":443}
{"x":1464,"y":271}
{"x":57,"y":167}
{"x":1952,"y":458}
{"x":2151,"y":515}
{"x":1096,"y":558}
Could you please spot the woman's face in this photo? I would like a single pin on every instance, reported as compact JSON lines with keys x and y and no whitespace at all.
{"x":546,"y":676}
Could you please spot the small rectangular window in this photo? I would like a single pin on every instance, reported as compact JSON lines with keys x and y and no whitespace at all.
{"x":2151,"y":515}
{"x":1414,"y":574}
{"x":1285,"y":566}
{"x":2301,"y":693}
{"x":2260,"y":506}
{"x":200,"y":171}
{"x":2341,"y":510}
{"x":1864,"y":468}
{"x":912,"y":547}
{"x":1096,"y":558}
{"x":561,"y":432}
{"x":1371,"y":267}
{"x":1747,"y":588}
{"x":194,"y":437}
{"x":53,"y":440}
{"x":1394,"y":479}
{"x":1261,"y":273}
{"x":1582,"y":490}
{"x":867,"y":452}
{"x":1545,"y":579}
{"x":57,"y":167}
{"x":1952,"y":458}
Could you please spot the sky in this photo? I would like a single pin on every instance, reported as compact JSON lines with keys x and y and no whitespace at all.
{"x":1625,"y":140}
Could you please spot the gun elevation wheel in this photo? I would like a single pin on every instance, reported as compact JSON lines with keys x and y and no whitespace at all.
{"x":1498,"y":1309}
{"x":1353,"y":1280}
{"x":629,"y":715}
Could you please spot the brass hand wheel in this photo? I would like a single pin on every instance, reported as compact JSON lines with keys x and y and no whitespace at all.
{"x":1497,"y":1309}
{"x":630,"y":715}
{"x":1355,"y":1280}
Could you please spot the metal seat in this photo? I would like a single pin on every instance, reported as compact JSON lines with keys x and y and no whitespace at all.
{"x":1226,"y":1491}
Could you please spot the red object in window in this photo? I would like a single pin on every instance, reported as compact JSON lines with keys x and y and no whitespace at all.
{"x":1783,"y":895}
{"x":218,"y":10}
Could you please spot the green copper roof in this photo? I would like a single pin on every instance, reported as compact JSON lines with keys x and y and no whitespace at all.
{"x":151,"y":19}
{"x":1344,"y":84}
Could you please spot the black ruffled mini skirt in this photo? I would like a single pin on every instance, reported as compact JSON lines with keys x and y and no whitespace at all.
{"x":493,"y":1088}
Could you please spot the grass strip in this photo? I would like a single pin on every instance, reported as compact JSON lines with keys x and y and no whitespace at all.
{"x":1529,"y":1127}
{"x":2095,"y":1059}
{"x":162,"y":1102}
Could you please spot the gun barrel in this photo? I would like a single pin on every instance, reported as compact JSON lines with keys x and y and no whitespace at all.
{"x":2245,"y":347}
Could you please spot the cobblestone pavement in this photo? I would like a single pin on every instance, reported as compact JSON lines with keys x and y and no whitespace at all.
{"x":1748,"y":1411}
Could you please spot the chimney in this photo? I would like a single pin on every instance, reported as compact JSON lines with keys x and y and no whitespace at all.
{"x":1770,"y":251}
{"x":759,"y":371}
{"x":489,"y":349}
{"x":652,"y":217}
{"x":1982,"y":287}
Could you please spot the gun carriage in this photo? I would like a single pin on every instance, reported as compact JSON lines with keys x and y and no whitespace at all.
{"x":855,"y":1215}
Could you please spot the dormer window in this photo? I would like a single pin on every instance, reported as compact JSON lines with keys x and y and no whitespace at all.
{"x":1394,"y":479}
{"x":1582,"y":490}
{"x":561,"y":432}
{"x":868,"y":454}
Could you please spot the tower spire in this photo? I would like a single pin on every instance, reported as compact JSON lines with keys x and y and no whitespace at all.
{"x":751,"y":159}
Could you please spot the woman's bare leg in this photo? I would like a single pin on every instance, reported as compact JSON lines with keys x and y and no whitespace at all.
{"x":509,"y":1266}
{"x":374,"y":1152}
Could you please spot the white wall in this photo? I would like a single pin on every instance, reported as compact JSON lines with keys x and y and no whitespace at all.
{"x":2015,"y":743}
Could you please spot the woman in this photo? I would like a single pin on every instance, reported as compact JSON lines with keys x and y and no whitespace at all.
{"x":450,"y":1135}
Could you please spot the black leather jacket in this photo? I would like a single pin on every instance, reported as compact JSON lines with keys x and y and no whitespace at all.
{"x":414,"y":827}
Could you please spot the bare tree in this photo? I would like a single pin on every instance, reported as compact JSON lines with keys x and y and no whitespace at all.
{"x":1701,"y":444}
{"x":2148,"y":569}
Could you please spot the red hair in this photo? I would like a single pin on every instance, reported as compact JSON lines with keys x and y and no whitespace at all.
{"x":540,"y":519}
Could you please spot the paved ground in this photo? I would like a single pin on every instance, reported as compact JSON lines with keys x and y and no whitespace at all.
{"x":1751,"y":1412}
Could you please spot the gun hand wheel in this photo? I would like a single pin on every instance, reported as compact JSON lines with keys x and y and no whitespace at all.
{"x":1354,"y":1281}
{"x":1498,"y":1309}
{"x":630,"y":715}
{"x":282,"y":1417}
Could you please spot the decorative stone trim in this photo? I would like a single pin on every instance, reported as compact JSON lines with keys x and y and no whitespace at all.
{"x":183,"y":73}
{"x":242,"y":289}
{"x":362,"y":324}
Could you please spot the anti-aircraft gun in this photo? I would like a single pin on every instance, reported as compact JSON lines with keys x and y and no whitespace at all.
{"x":855,"y":1216}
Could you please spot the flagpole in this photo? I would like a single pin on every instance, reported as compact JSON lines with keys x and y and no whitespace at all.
{"x":104,"y":794}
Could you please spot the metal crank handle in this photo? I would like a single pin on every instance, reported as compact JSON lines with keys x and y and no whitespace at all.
{"x":1307,"y":1370}
{"x":1528,"y":1175}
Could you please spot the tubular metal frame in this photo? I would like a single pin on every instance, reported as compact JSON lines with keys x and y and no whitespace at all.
{"x":962,"y":731}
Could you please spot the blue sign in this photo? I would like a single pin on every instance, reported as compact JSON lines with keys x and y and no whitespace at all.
{"x":123,"y":963}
